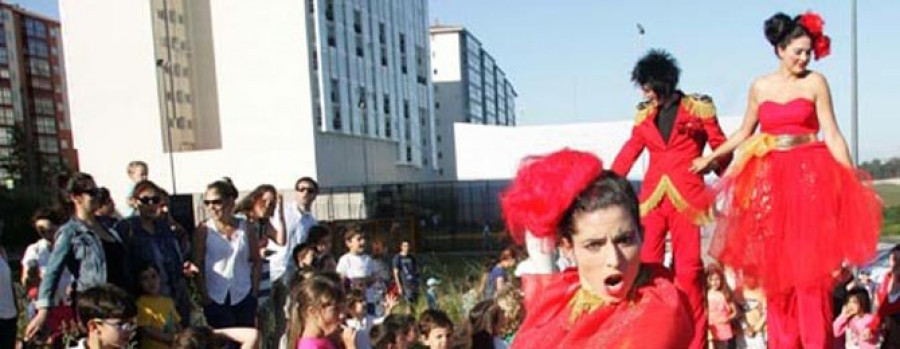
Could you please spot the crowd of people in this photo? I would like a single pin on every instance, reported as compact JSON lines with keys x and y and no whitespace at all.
{"x":792,"y":217}
{"x":258,"y":272}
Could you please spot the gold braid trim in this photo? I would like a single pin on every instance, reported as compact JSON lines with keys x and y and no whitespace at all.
{"x":584,"y":301}
{"x":667,"y":188}
{"x":699,"y":105}
{"x":644,"y":110}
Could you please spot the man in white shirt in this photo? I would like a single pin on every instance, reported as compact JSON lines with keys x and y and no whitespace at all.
{"x":298,"y":219}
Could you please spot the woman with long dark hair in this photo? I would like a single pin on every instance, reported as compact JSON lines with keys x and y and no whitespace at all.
{"x":794,"y":207}
{"x":93,"y":254}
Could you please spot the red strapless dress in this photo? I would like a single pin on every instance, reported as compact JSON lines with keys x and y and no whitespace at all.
{"x":560,"y":314}
{"x":791,"y":213}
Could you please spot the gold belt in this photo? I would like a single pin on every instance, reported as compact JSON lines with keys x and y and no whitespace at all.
{"x":762,"y":143}
{"x":785,"y":142}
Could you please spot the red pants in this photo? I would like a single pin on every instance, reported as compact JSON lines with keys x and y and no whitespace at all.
{"x":800,"y":318}
{"x":688,"y":266}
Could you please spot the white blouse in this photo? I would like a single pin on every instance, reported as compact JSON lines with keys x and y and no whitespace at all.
{"x":228,"y":267}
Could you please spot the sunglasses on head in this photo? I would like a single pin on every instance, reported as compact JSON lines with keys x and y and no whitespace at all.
{"x":217,"y":202}
{"x":150,"y":200}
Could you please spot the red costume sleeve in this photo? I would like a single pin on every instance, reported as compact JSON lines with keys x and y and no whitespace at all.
{"x":629,"y":153}
{"x":716,"y":137}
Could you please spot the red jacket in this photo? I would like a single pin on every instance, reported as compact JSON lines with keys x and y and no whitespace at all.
{"x":669,"y":174}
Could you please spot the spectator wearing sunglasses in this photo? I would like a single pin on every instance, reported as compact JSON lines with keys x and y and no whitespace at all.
{"x":83,"y":247}
{"x":226,"y":252}
{"x":108,"y":313}
{"x":149,"y":239}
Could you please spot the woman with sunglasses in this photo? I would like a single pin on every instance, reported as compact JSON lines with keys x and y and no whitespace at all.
{"x":83,"y":247}
{"x":226,"y":253}
{"x":149,"y":239}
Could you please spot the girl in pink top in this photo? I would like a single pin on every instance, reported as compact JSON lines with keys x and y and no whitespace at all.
{"x":854,"y":321}
{"x":316,"y":306}
{"x":722,"y":310}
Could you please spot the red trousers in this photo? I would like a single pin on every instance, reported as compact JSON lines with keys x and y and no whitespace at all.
{"x":800,"y":318}
{"x":687,"y":266}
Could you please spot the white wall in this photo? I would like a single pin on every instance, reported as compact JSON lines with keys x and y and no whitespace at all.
{"x":494,"y":152}
{"x":262,"y":81}
{"x":445,"y":56}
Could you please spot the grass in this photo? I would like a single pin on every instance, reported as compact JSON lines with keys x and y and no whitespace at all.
{"x":890,"y":193}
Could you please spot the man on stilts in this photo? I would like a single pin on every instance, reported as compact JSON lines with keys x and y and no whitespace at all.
{"x":675,"y":129}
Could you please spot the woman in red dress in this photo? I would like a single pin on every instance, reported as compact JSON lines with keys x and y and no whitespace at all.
{"x":794,"y":207}
{"x":611,"y":299}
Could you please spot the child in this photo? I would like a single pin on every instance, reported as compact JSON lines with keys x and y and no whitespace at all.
{"x":157,"y":319}
{"x":473,"y":295}
{"x":512,"y":302}
{"x":320,"y":238}
{"x":408,"y":332}
{"x":199,"y":337}
{"x":485,"y":322}
{"x":752,"y":301}
{"x":388,"y":335}
{"x":356,"y":267}
{"x":316,"y":306}
{"x":436,"y":329}
{"x":406,"y":273}
{"x":431,"y":292}
{"x":721,"y":307}
{"x":360,"y":320}
{"x":854,"y":321}
{"x":107,"y":312}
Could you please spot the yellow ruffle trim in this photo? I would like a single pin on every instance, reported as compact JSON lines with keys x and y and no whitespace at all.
{"x":664,"y":188}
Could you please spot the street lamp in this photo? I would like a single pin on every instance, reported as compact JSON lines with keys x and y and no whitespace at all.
{"x":854,"y":102}
{"x":163,"y":66}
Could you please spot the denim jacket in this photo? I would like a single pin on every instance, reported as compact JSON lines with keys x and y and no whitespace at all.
{"x":80,"y":251}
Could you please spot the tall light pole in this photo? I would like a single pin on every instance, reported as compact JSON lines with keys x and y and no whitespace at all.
{"x":173,"y":116}
{"x":854,"y":102}
{"x":640,"y":47}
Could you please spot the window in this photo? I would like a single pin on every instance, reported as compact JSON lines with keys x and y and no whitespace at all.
{"x":332,"y":38}
{"x":172,"y":16}
{"x":387,"y":104}
{"x":46,"y":125}
{"x":359,"y":45}
{"x":408,"y":154}
{"x":384,"y":59}
{"x":35,"y":28}
{"x":64,"y":144}
{"x":382,"y":36}
{"x":5,"y":96}
{"x":161,"y":14}
{"x":311,"y":5}
{"x":387,"y":127}
{"x":6,"y":136}
{"x":336,"y":121}
{"x":48,"y":144}
{"x":39,"y":67}
{"x":315,"y":59}
{"x":357,"y":22}
{"x":6,"y":117}
{"x":329,"y":10}
{"x":41,"y":83}
{"x":187,"y":98}
{"x":179,"y":96}
{"x":44,"y":106}
{"x":364,"y":109}
{"x":37,"y":48}
{"x":4,"y":56}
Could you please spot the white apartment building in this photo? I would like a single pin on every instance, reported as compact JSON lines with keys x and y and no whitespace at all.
{"x":469,"y":87}
{"x":262,"y":92}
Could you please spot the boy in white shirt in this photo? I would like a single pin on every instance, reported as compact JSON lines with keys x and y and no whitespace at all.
{"x":356,"y":267}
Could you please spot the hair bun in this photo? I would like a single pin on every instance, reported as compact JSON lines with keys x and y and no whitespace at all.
{"x":777,"y":27}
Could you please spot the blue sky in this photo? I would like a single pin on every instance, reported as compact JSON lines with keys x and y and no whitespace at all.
{"x":569,"y":60}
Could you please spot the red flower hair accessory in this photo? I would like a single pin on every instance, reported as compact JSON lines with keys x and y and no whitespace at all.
{"x":544,"y":188}
{"x":814,"y":24}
